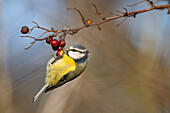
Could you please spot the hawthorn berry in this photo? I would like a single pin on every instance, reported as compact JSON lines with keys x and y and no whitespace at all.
{"x":49,"y":39}
{"x":54,"y":44}
{"x":59,"y":52}
{"x":55,"y":48}
{"x":62,"y":43}
{"x":24,"y":30}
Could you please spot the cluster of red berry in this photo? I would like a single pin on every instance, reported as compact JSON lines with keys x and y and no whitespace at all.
{"x":56,"y":45}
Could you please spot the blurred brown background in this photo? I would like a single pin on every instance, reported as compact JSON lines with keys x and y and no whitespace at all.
{"x":129,"y":68}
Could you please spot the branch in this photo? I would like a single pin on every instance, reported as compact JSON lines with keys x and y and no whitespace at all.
{"x":131,"y":14}
{"x":88,"y":23}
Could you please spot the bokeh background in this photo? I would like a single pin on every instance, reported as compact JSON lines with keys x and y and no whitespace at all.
{"x":128,"y":71}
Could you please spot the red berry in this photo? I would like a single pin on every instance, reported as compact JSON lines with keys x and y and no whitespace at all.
{"x":54,"y":43}
{"x":59,"y":52}
{"x":55,"y":48}
{"x":62,"y":43}
{"x":49,"y":39}
{"x":24,"y":30}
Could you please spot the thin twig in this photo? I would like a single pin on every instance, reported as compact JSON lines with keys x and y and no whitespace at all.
{"x":122,"y":21}
{"x":98,"y":13}
{"x":136,"y":3}
{"x":82,"y":17}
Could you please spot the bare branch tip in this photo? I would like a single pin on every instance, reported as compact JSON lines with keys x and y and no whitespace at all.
{"x":94,"y":6}
{"x":125,"y":9}
{"x":68,"y":8}
{"x":136,"y":3}
{"x":99,"y":27}
{"x":35,"y":23}
{"x":26,"y":48}
{"x":122,"y":21}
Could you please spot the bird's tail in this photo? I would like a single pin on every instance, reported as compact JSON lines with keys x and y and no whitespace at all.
{"x":39,"y":93}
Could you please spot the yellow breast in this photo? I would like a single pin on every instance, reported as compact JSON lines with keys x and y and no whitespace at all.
{"x":58,"y":69}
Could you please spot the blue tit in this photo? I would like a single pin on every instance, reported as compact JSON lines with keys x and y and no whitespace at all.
{"x":72,"y":63}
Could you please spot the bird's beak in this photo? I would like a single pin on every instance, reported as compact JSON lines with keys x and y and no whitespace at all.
{"x":87,"y":52}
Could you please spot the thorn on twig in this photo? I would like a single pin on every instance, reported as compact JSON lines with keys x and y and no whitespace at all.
{"x":134,"y":15}
{"x":98,"y":26}
{"x":126,"y":12}
{"x":168,"y":10}
{"x":52,"y":29}
{"x":151,"y":3}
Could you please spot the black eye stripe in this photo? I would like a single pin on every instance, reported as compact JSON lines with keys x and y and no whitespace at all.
{"x":74,"y":50}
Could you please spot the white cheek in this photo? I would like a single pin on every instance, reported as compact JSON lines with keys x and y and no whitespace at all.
{"x":75,"y":55}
